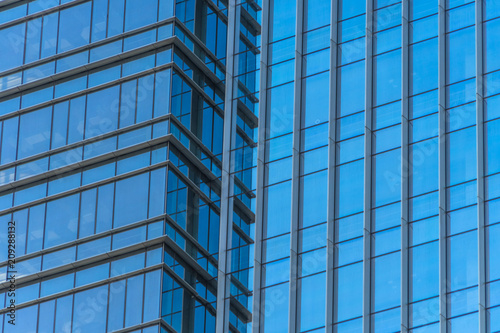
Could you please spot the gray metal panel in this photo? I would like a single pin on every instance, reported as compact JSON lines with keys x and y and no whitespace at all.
{"x":405,"y":171}
{"x":227,"y":190}
{"x":443,"y":284}
{"x":258,"y":306}
{"x":332,"y":148}
{"x":480,"y":168}
{"x":368,"y":169}
{"x":294,"y":297}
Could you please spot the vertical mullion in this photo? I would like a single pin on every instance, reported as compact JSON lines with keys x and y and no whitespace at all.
{"x":368,"y":169}
{"x":480,"y":167}
{"x":227,"y":189}
{"x":257,"y":318}
{"x":294,"y":314}
{"x":332,"y":146}
{"x":404,"y":167}
{"x":443,"y":284}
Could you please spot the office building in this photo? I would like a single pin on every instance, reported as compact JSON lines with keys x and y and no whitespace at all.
{"x":198,"y":166}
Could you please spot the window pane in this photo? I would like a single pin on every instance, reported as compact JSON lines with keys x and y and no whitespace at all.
{"x":461,"y":156}
{"x":387,"y":77}
{"x":148,"y":10}
{"x":492,"y":148}
{"x":275,"y":301}
{"x":424,"y":171}
{"x":312,"y":302}
{"x":386,"y":283}
{"x":350,"y":188}
{"x":315,"y":102}
{"x":387,"y":178}
{"x":278,"y":202}
{"x":102,"y":115}
{"x":314,"y":199}
{"x":349,"y":290}
{"x":423,"y":66}
{"x":282,"y":19}
{"x":462,"y":256}
{"x":12,"y":41}
{"x":64,"y":209}
{"x":461,"y":55}
{"x":116,"y":305}
{"x":280,"y":110}
{"x":131,"y":203}
{"x":424,"y":264}
{"x":317,"y":14}
{"x":352,"y":88}
{"x":74,"y":27}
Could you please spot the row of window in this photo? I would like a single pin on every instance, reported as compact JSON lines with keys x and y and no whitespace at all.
{"x":106,"y":308}
{"x":76,"y":26}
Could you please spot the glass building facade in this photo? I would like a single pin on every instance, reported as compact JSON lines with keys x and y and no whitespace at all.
{"x":253,"y":166}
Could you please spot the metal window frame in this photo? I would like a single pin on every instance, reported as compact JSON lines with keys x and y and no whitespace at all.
{"x":367,"y":204}
{"x":480,"y":150}
{"x":332,"y":153}
{"x":443,"y":281}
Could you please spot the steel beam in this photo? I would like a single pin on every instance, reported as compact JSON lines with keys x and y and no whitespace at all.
{"x":368,"y":168}
{"x":258,"y":303}
{"x":227,"y":190}
{"x":480,"y":168}
{"x":332,"y":151}
{"x":405,"y":165}
{"x":443,"y":284}
{"x":294,"y":297}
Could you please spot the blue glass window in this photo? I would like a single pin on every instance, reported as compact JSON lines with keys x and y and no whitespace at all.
{"x":424,"y":167}
{"x":282,"y":19}
{"x":314,"y":199}
{"x":131,"y":200}
{"x":64,"y":307}
{"x":83,"y":309}
{"x":424,"y":262}
{"x":461,"y":156}
{"x":315,"y":100}
{"x":102,"y":115}
{"x":312,"y":303}
{"x":135,"y":287}
{"x":462,"y":256}
{"x":387,"y":77}
{"x":34,"y":132}
{"x":461,"y":55}
{"x":387,"y":178}
{"x":49,"y":34}
{"x":115,"y":17}
{"x":423,"y":8}
{"x":74,"y":27}
{"x":64,"y":209}
{"x":351,"y":94}
{"x":12,"y":41}
{"x":278,"y":198}
{"x":349,"y":291}
{"x":492,"y":9}
{"x":152,"y":296}
{"x":424,"y":66}
{"x":280,"y":110}
{"x":317,"y":14}
{"x":116,"y":305}
{"x":350,"y":8}
{"x":492,"y":133}
{"x":350,"y":188}
{"x":386,"y":283}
